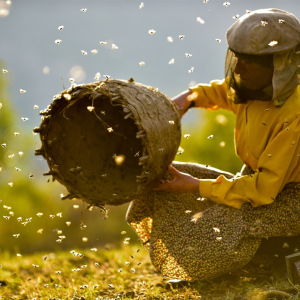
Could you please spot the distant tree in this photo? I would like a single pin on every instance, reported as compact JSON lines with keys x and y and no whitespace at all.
{"x":7,"y":119}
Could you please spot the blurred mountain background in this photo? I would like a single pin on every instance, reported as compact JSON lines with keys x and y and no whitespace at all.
{"x":45,"y":43}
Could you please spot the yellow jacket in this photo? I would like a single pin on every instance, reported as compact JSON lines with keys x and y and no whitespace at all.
{"x":267,"y":138}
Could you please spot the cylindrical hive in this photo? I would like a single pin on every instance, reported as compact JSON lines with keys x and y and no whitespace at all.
{"x":110,"y":140}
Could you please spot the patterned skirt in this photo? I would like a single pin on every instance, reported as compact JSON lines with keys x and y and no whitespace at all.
{"x":193,"y":238}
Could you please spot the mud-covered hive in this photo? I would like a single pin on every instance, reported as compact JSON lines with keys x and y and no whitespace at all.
{"x":110,"y":140}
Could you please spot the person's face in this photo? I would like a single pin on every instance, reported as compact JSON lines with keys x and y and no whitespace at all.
{"x":253,"y":76}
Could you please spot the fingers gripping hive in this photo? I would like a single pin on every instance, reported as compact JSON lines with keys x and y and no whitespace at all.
{"x":109,"y":141}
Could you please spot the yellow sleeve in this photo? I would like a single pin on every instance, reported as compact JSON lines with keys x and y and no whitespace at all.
{"x":278,"y":165}
{"x":212,"y":96}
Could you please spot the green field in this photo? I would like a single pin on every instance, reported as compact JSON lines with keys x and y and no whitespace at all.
{"x":123,"y":273}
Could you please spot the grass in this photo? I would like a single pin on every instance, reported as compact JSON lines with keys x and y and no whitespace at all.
{"x":125,"y":273}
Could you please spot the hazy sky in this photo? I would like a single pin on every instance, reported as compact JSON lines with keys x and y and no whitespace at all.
{"x":37,"y":64}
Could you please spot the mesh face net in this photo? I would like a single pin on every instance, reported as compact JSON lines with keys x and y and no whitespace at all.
{"x":237,"y":91}
{"x":265,"y":36}
{"x":286,"y":77}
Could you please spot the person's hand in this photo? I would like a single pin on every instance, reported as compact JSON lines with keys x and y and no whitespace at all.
{"x":182,"y":183}
{"x":183,"y":102}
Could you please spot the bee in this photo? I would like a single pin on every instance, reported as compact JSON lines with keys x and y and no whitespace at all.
{"x":199,"y":20}
{"x":172,"y":61}
{"x":273,"y":43}
{"x":264,"y":23}
{"x":67,"y":96}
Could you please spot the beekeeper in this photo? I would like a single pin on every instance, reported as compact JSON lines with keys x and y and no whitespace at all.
{"x":200,"y":222}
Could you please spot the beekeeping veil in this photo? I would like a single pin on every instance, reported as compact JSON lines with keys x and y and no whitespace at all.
{"x":264,"y":34}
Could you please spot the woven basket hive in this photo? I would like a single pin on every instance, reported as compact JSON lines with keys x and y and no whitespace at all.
{"x":110,"y":140}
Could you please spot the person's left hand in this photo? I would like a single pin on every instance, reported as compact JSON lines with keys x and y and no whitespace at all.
{"x":182,"y":183}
